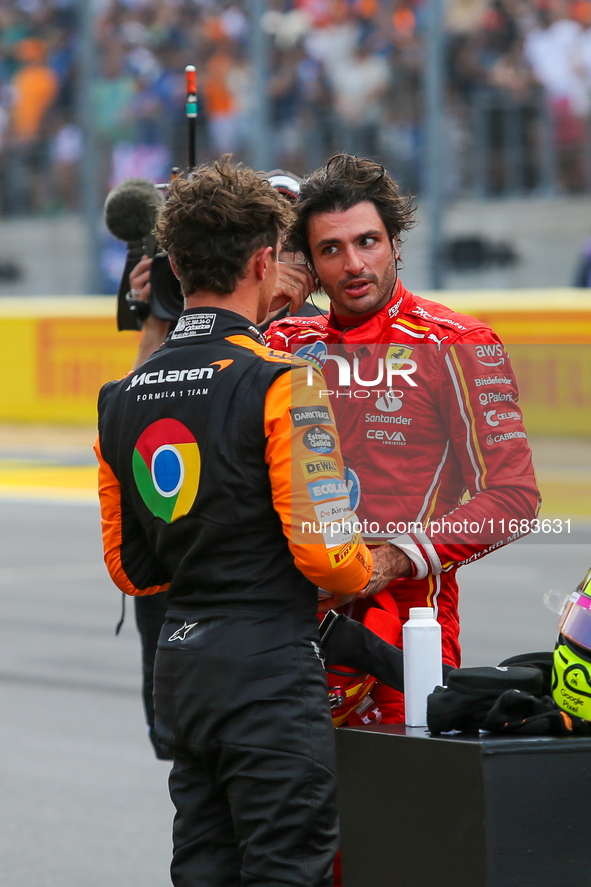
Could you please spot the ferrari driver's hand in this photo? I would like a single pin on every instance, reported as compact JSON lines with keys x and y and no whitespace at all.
{"x":294,"y":284}
{"x":389,"y":562}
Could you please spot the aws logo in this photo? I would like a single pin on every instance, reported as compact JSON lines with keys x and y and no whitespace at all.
{"x":166,"y":467}
{"x":491,"y":352}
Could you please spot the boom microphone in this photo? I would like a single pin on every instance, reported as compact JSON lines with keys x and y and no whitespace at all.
{"x":132,"y":209}
{"x":131,"y":212}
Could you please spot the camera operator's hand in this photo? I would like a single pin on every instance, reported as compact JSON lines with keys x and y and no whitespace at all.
{"x":294,"y":284}
{"x":139,"y":280}
{"x":154,"y":330}
{"x":389,"y":562}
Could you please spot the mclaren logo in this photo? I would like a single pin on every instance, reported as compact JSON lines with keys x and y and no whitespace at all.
{"x":191,"y":375}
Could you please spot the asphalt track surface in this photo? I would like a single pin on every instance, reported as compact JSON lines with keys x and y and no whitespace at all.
{"x":84,"y":801}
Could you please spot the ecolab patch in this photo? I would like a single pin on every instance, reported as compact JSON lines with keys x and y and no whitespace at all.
{"x":321,"y":491}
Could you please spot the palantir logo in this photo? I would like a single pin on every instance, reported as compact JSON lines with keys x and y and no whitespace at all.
{"x":390,"y":401}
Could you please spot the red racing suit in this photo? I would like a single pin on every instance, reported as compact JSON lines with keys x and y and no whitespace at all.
{"x":437,"y":461}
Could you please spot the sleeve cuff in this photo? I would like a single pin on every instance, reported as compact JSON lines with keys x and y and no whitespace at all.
{"x":419,"y":549}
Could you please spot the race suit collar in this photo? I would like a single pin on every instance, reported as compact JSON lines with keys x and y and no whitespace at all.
{"x":205,"y":324}
{"x":371,"y":331}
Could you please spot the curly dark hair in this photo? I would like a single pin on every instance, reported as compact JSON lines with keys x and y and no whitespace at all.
{"x":344,"y":182}
{"x":214,"y":219}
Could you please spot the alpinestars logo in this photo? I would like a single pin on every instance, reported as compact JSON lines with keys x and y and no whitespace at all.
{"x":181,"y":633}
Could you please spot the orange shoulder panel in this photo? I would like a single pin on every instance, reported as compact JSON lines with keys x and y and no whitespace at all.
{"x":110,"y":499}
{"x":309,"y":493}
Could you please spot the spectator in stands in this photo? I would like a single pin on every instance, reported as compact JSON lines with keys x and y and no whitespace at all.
{"x":343,"y":74}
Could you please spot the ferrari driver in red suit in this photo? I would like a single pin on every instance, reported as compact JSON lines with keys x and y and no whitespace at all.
{"x":436,"y":456}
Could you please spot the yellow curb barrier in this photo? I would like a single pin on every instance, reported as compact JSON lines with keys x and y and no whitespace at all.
{"x":58,"y":352}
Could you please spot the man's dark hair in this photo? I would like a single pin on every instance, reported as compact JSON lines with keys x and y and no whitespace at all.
{"x":214,"y":219}
{"x":344,"y":182}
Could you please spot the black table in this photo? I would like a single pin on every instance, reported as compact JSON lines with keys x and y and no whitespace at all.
{"x":463,"y":810}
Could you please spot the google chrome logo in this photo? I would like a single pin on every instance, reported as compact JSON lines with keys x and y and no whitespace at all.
{"x":166,"y":467}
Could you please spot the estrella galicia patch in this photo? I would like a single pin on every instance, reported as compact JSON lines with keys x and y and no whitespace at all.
{"x":319,"y":440}
{"x":319,"y":415}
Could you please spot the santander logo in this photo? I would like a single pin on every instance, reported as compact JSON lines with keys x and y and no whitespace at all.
{"x":390,"y":402}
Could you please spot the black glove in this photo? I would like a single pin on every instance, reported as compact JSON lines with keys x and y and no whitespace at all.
{"x":346,"y":642}
{"x":471,"y":693}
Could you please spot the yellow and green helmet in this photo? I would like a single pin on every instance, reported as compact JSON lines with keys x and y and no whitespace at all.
{"x":571,"y":675}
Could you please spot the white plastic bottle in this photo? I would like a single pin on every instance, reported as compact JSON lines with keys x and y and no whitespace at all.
{"x":423,"y":670}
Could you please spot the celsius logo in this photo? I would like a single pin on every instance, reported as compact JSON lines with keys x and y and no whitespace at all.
{"x":166,"y":467}
{"x":390,"y":401}
{"x":493,"y":417}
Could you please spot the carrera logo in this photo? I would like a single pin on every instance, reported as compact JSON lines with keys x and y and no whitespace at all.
{"x":386,"y":437}
{"x":490,"y":351}
{"x":316,"y":467}
{"x":311,"y":416}
{"x":328,"y":489}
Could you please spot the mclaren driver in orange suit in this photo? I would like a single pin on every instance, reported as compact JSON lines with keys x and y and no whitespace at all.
{"x":207,"y":455}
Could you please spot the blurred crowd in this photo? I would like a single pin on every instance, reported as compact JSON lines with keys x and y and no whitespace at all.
{"x":343,"y":75}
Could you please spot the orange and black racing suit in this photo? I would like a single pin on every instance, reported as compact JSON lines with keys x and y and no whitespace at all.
{"x":217,"y":461}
